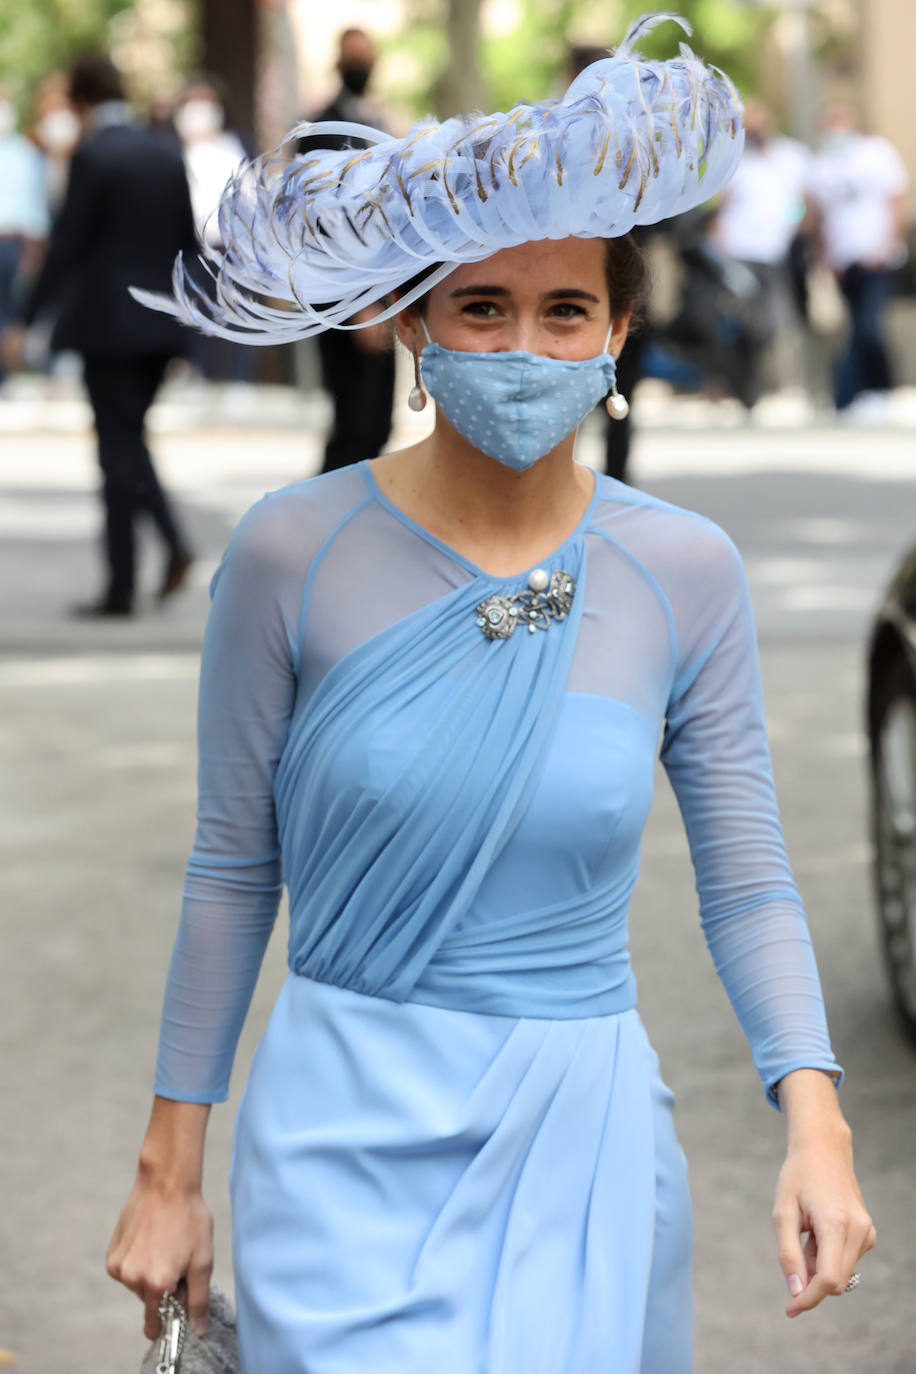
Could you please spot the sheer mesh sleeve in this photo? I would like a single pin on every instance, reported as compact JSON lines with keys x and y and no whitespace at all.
{"x":716,"y":755}
{"x":233,"y":881}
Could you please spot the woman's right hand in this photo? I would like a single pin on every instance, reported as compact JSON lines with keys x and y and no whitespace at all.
{"x":161,"y":1238}
{"x":165,"y":1233}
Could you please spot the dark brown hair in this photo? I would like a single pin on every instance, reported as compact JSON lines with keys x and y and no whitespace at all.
{"x":625,"y":269}
{"x":94,"y":78}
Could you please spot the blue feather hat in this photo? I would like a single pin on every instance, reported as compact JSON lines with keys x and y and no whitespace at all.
{"x":631,"y":142}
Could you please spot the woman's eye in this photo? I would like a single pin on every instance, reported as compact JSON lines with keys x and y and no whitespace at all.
{"x":565,"y":310}
{"x":483,"y":309}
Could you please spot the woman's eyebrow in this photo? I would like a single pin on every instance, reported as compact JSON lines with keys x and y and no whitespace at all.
{"x":571,"y":293}
{"x":565,"y":293}
{"x":480,"y":291}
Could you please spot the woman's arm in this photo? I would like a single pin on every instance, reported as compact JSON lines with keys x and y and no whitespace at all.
{"x":716,"y":754}
{"x":232,"y":889}
{"x":817,"y":1193}
{"x":165,"y":1232}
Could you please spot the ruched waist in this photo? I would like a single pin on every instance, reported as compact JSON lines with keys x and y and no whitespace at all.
{"x":568,"y":993}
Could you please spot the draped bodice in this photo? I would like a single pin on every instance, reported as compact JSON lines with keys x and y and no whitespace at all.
{"x":457,"y":828}
{"x":457,"y":818}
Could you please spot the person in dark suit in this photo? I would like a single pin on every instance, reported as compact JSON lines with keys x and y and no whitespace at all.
{"x":126,"y":214}
{"x":357,"y":368}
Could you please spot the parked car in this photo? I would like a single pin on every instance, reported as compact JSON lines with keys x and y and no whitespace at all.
{"x":892,"y":735}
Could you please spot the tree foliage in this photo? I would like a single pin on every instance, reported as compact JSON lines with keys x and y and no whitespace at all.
{"x":41,"y":36}
{"x":726,"y":34}
{"x":530,"y":62}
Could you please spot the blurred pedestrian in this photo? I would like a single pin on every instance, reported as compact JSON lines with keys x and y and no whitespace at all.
{"x":756,"y":223}
{"x":618,"y":429}
{"x":213,"y":153}
{"x":357,"y":368}
{"x":858,"y":184}
{"x":24,"y":220}
{"x":56,"y":132}
{"x":127,"y":212}
{"x":160,"y":116}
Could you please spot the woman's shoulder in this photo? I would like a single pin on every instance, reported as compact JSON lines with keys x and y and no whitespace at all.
{"x":668,"y":536}
{"x":296,"y":520}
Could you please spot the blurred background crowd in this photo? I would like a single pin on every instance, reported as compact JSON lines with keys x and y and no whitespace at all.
{"x":797,"y":284}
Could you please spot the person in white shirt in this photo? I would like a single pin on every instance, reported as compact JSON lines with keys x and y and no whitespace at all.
{"x":858,"y":184}
{"x":212,"y":155}
{"x":764,"y":203}
{"x":24,"y":220}
{"x":759,"y":216}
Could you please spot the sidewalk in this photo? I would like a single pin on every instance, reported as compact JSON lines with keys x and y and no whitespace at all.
{"x":31,"y":404}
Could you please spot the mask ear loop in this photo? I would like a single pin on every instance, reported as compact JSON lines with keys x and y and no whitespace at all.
{"x":417,"y":398}
{"x":618,"y":407}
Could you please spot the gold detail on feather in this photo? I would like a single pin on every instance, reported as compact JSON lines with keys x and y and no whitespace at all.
{"x":404,"y":192}
{"x":677,"y":136}
{"x":373,"y":206}
{"x":603,"y":154}
{"x":352,"y":163}
{"x":515,"y":147}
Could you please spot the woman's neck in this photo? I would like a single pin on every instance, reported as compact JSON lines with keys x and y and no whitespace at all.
{"x":500,"y":519}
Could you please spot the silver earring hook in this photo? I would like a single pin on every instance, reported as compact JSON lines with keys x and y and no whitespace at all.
{"x":417,"y":398}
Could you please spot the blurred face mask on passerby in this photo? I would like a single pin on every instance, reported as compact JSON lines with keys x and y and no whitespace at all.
{"x":355,"y":77}
{"x":58,"y":131}
{"x":7,"y":118}
{"x":197,"y":119}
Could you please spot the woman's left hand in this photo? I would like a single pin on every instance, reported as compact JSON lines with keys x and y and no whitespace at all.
{"x":817,"y":1193}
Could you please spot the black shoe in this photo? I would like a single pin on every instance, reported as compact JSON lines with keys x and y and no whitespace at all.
{"x":114,"y":605}
{"x":176,"y":574}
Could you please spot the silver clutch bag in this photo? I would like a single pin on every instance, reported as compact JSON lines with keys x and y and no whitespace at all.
{"x":179,"y":1351}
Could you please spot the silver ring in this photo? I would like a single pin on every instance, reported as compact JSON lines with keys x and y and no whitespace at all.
{"x":854,"y":1280}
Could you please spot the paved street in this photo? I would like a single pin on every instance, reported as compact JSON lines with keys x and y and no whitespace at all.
{"x":97,"y":798}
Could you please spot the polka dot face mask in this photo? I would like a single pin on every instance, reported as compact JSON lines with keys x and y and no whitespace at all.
{"x":515,"y":407}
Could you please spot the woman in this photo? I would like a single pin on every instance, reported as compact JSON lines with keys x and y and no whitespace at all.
{"x":434,"y":684}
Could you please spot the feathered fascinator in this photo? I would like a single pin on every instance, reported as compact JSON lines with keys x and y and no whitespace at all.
{"x":631,"y":142}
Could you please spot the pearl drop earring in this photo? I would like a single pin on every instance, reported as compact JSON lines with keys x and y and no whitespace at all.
{"x":618,"y":407}
{"x":417,"y":398}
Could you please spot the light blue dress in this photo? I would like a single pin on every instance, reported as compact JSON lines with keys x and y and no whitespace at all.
{"x":454,"y":1152}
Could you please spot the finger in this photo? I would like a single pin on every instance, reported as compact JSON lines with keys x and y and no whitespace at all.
{"x":151,"y":1292}
{"x":152,"y":1322}
{"x":830,"y":1276}
{"x":791,"y":1255}
{"x":860,"y":1239}
{"x":199,"y":1293}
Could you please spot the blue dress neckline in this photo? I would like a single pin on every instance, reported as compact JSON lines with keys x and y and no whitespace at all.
{"x":452,"y":553}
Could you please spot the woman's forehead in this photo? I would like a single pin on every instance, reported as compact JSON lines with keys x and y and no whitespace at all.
{"x":547,"y":265}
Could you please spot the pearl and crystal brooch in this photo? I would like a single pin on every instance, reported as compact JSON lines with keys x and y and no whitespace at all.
{"x":549,"y":597}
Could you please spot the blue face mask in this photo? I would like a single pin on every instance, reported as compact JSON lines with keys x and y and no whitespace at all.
{"x":515,"y":407}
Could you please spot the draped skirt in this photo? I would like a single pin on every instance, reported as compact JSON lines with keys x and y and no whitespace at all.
{"x":418,"y":1190}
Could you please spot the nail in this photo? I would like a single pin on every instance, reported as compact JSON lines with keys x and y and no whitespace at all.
{"x":795,"y":1285}
{"x":200,"y":1326}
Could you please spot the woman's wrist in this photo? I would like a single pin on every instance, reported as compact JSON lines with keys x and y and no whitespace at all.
{"x":810,"y":1104}
{"x":168,"y":1174}
{"x":172,"y":1155}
